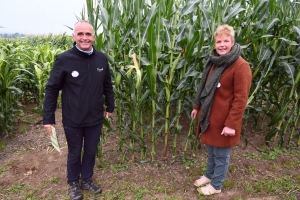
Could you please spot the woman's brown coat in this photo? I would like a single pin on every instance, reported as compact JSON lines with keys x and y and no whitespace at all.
{"x":228,"y":105}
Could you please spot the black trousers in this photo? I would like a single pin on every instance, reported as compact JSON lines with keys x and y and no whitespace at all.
{"x":81,"y":165}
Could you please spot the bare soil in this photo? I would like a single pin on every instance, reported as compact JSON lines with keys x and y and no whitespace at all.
{"x":31,"y":169}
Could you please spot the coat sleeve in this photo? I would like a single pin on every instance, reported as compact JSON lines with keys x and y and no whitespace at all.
{"x":54,"y":85}
{"x":108,"y":90}
{"x":241,"y":83}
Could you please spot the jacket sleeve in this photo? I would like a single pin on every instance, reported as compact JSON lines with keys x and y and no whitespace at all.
{"x":54,"y":85}
{"x":108,"y":91}
{"x":241,"y":83}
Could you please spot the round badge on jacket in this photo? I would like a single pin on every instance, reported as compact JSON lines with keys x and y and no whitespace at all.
{"x":75,"y":74}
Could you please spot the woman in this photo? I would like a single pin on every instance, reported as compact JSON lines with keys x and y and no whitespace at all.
{"x":220,"y":104}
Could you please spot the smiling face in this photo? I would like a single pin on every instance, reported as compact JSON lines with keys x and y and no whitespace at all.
{"x":84,"y":35}
{"x":223,"y":44}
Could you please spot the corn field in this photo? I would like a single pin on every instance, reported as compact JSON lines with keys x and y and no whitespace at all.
{"x":157,"y":51}
{"x":25,"y":66}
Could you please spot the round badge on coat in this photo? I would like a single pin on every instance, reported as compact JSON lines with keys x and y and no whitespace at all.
{"x":219,"y":85}
{"x":75,"y":74}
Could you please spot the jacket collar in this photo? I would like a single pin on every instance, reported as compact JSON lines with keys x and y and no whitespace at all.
{"x":81,"y":53}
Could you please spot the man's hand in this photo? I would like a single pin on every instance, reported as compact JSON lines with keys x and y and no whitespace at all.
{"x":108,"y":114}
{"x":228,"y":131}
{"x":48,"y":128}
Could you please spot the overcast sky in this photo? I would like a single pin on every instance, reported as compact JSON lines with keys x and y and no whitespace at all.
{"x":39,"y":16}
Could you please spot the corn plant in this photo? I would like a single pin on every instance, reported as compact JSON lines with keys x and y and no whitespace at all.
{"x":43,"y":59}
{"x":157,"y":51}
{"x":9,"y":93}
{"x":171,"y":40}
{"x":24,"y":70}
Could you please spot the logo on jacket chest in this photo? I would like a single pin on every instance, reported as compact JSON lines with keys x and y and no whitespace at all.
{"x":75,"y":74}
{"x":99,"y":69}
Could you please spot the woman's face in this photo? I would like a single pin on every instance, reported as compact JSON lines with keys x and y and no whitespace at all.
{"x":223,"y":44}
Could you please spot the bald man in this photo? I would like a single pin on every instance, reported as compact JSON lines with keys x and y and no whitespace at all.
{"x":82,"y":75}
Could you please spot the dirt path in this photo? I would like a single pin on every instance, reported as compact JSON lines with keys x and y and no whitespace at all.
{"x":31,"y":169}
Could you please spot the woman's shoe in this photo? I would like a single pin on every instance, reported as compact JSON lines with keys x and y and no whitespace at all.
{"x":201,"y":181}
{"x":208,"y":190}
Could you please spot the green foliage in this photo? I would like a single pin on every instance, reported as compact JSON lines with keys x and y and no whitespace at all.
{"x":157,"y":51}
{"x":172,"y":39}
{"x":55,"y":180}
{"x":2,"y":145}
{"x":3,"y":169}
{"x":25,"y":64}
{"x":9,"y":92}
{"x":188,"y":162}
{"x":284,"y":184}
{"x":16,"y":188}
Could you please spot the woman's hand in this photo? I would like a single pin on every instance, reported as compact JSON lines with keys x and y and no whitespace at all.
{"x":228,"y":131}
{"x":194,"y":113}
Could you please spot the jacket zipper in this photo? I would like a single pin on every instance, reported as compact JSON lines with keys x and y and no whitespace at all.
{"x":88,"y":65}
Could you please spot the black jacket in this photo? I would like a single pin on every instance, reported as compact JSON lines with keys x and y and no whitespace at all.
{"x":84,"y":80}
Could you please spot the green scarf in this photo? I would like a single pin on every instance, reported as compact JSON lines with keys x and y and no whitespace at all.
{"x":207,"y":88}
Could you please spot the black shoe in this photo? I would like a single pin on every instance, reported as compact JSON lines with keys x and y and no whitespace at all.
{"x":75,"y":192}
{"x":90,"y":186}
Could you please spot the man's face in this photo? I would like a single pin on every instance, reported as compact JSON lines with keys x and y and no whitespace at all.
{"x":84,"y":36}
{"x":223,"y":44}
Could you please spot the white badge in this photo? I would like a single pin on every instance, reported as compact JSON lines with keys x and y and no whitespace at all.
{"x":219,"y":85}
{"x":75,"y":74}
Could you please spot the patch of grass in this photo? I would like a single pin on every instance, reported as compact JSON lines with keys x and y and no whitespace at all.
{"x":229,"y":184}
{"x":3,"y":169}
{"x":135,"y":190}
{"x":24,"y":151}
{"x":16,"y":188}
{"x":267,"y":153}
{"x":231,"y":169}
{"x":273,"y":167}
{"x":54,"y":180}
{"x":291,"y":197}
{"x":139,"y":194}
{"x":203,"y":168}
{"x":281,"y":185}
{"x":203,"y":197}
{"x":23,"y":130}
{"x":119,"y":167}
{"x":238,"y":198}
{"x":139,"y":189}
{"x":271,"y":154}
{"x":252,"y":169}
{"x":251,"y":156}
{"x":30,"y":197}
{"x":188,"y":162}
{"x":148,"y":177}
{"x":291,"y":164}
{"x":44,"y":184}
{"x":249,"y":188}
{"x":2,"y":145}
{"x":14,"y":150}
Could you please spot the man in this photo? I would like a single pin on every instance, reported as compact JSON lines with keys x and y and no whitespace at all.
{"x":82,"y":73}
